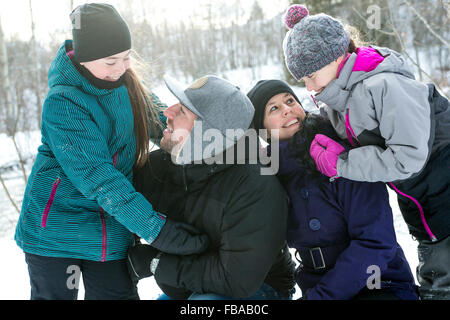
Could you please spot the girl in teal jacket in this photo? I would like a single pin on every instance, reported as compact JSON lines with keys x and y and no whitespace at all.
{"x":79,"y":204}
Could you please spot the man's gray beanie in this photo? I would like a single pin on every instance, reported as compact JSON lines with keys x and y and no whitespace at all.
{"x":313,"y":41}
{"x":224,"y":115}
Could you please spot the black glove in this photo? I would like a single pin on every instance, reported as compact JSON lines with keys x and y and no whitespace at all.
{"x":180,"y":238}
{"x":139,"y":260}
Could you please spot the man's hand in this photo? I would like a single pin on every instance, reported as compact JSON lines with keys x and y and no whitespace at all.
{"x":139,"y":261}
{"x":180,"y":238}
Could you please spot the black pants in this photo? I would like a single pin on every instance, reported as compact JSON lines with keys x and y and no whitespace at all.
{"x":431,"y":188}
{"x":58,"y":279}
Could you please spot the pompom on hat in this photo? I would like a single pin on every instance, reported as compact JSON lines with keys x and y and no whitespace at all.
{"x":312,"y":41}
{"x":294,"y":14}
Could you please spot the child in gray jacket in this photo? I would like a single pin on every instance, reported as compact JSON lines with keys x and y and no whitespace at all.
{"x":399,"y":128}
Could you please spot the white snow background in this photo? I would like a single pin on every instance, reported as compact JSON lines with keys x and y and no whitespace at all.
{"x":14,"y":279}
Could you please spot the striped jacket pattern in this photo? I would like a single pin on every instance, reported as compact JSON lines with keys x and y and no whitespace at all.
{"x":79,"y":201}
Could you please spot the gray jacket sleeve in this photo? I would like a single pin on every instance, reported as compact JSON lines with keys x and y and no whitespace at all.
{"x":402,"y":111}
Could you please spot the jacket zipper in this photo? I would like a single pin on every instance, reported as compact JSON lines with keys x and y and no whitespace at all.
{"x":185,"y":179}
{"x":422,"y":214}
{"x":103,"y":220}
{"x":350,"y":135}
{"x":104,"y":235}
{"x":50,"y":202}
{"x":349,"y":130}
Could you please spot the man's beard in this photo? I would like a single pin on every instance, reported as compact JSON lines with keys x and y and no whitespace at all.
{"x":168,"y":144}
{"x":172,"y":143}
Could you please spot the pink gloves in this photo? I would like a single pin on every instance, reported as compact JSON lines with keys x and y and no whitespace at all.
{"x":325,"y":152}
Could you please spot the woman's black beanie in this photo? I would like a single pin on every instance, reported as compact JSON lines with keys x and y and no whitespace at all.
{"x":98,"y":31}
{"x":261,"y":93}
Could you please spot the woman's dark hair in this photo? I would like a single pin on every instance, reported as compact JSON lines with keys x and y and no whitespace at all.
{"x":301,"y":141}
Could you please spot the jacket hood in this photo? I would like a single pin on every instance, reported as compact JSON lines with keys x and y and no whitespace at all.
{"x":244,"y":152}
{"x":186,"y":175}
{"x":368,"y":61}
{"x":63,"y":72}
{"x":386,"y":60}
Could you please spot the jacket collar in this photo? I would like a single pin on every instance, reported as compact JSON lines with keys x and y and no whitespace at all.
{"x":195,"y":174}
{"x":367,"y":62}
{"x":189,"y":176}
{"x":335,"y":95}
{"x":63,"y":72}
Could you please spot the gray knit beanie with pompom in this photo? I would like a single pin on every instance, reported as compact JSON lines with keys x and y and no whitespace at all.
{"x":312,"y":41}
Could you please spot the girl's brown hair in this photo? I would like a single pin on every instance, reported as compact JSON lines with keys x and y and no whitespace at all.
{"x":355,"y":38}
{"x":144,"y":111}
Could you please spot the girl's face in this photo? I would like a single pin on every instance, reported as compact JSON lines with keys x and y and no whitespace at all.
{"x":110,"y":68}
{"x":283,"y":113}
{"x":317,"y":81}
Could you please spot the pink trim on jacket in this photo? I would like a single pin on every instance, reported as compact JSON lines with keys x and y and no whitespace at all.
{"x":349,"y":130}
{"x":50,"y":202}
{"x":367,"y":59}
{"x":350,"y":136}
{"x":422,"y":214}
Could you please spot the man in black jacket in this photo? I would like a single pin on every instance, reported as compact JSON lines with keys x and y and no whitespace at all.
{"x":214,"y":187}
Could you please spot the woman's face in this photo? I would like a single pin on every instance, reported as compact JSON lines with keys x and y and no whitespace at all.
{"x":110,"y":68}
{"x":283,"y":113}
{"x":317,"y":81}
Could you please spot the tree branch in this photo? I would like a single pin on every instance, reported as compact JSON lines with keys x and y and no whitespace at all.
{"x":9,"y":196}
{"x":427,"y":24}
{"x":402,"y":44}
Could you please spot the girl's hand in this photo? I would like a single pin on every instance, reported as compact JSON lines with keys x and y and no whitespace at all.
{"x":325,"y":152}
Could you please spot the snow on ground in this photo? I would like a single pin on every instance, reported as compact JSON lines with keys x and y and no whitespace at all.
{"x":14,"y":280}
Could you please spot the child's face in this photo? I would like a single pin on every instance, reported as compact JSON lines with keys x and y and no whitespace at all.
{"x":317,"y":81}
{"x":283,"y":113}
{"x":110,"y":68}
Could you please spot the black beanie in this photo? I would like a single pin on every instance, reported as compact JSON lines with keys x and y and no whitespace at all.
{"x":98,"y":31}
{"x":261,"y":93}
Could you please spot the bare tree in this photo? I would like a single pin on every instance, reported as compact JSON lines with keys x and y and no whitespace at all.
{"x":6,"y":85}
{"x":10,"y":118}
{"x":402,"y":42}
{"x":37,"y":68}
{"x":427,"y":25}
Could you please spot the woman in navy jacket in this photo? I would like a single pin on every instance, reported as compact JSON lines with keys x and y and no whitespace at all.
{"x":342,"y":230}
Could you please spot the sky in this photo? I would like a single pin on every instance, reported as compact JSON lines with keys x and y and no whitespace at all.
{"x":52,"y":16}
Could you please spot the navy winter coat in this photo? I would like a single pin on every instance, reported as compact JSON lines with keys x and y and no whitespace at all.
{"x":343,"y":232}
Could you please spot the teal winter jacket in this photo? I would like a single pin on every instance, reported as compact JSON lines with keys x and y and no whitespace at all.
{"x":79,"y":201}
